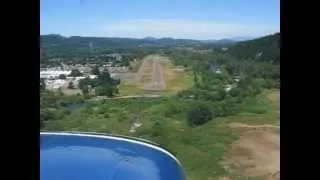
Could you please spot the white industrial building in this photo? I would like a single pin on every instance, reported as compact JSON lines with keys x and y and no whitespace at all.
{"x":56,"y":84}
{"x":53,"y":74}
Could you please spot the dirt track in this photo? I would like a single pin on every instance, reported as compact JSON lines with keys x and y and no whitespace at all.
{"x":251,"y":127}
{"x":127,"y":97}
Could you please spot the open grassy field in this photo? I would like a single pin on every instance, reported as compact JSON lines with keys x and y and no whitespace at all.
{"x":135,"y":66}
{"x":206,"y":152}
{"x":130,"y":89}
{"x":176,"y":79}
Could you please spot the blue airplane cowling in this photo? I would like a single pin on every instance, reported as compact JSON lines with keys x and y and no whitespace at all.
{"x":80,"y":156}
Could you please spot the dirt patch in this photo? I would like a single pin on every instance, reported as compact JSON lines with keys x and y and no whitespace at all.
{"x":263,"y":127}
{"x":274,"y":97}
{"x":175,"y":77}
{"x":224,"y":178}
{"x":256,"y":153}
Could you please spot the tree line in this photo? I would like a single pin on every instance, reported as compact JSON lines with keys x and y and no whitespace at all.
{"x":103,"y":85}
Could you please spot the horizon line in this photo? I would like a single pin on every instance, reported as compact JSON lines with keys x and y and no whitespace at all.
{"x":157,"y":38}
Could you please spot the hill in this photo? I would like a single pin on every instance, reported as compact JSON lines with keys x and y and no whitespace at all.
{"x":242,"y":38}
{"x":54,"y":41}
{"x":265,"y":48}
{"x":56,"y":45}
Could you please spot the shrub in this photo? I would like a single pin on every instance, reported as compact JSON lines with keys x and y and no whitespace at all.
{"x":199,"y":114}
{"x":62,"y":76}
{"x":236,"y":92}
{"x":172,"y":110}
{"x":63,"y":104}
{"x":157,"y":129}
{"x":235,"y":100}
{"x":101,"y":110}
{"x":106,"y":115}
{"x":218,"y":110}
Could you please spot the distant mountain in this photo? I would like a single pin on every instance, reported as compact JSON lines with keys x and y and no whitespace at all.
{"x":241,"y":38}
{"x":150,"y":38}
{"x":264,"y":48}
{"x":220,"y":41}
{"x":56,"y":45}
{"x":225,"y":41}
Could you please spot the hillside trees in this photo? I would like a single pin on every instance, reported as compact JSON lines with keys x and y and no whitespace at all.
{"x":262,"y":49}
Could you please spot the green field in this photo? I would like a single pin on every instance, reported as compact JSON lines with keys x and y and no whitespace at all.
{"x":200,"y":149}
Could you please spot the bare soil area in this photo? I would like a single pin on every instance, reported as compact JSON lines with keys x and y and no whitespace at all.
{"x":256,"y":153}
{"x":274,"y":97}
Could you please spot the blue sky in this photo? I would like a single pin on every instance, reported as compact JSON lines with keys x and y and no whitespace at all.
{"x":192,"y":19}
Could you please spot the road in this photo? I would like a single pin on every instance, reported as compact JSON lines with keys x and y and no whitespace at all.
{"x":157,"y":82}
{"x":99,"y":98}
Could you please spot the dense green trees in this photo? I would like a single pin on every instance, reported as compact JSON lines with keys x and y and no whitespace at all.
{"x":199,"y":114}
{"x":103,"y":85}
{"x":75,"y":73}
{"x":62,"y":76}
{"x":70,"y":85}
{"x":237,"y":80}
{"x":95,"y":70}
{"x":264,"y":49}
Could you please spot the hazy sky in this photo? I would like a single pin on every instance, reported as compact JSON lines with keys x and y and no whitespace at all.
{"x":193,"y":19}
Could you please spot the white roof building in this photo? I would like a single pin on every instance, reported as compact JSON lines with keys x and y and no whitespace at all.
{"x":52,"y":74}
